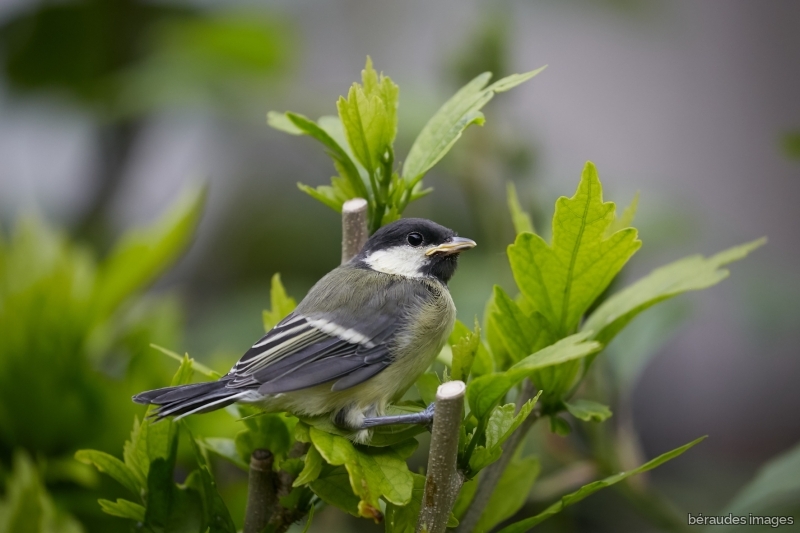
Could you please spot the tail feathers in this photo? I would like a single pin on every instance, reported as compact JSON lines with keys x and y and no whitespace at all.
{"x":185,"y":400}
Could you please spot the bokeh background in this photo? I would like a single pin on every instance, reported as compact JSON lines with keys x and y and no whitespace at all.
{"x":109,"y":108}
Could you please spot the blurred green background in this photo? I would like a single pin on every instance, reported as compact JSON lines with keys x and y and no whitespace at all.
{"x":110,"y":108}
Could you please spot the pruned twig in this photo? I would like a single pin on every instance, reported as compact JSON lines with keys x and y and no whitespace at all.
{"x":491,"y":476}
{"x":354,"y":227}
{"x":262,"y":500}
{"x":443,"y":480}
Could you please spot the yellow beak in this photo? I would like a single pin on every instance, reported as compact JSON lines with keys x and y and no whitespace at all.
{"x":453,"y":246}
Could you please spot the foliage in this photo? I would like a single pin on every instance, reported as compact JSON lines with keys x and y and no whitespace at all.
{"x":62,"y":311}
{"x":27,"y":507}
{"x":528,"y":361}
{"x":360,"y":141}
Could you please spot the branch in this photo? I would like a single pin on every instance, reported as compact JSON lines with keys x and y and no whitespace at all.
{"x":354,"y":227}
{"x":491,"y":476}
{"x":443,"y":481}
{"x":262,"y":501}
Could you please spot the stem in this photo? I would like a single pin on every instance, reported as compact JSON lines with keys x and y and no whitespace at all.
{"x":491,"y":476}
{"x":443,"y":481}
{"x":354,"y":227}
{"x":262,"y":500}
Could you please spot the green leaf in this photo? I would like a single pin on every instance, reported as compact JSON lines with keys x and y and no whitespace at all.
{"x":215,"y":514}
{"x":689,"y":274}
{"x":311,"y":468}
{"x":520,"y":217}
{"x":427,"y":385}
{"x":521,"y":334}
{"x":269,"y":432}
{"x":568,"y":349}
{"x":588,"y":411}
{"x":484,"y":392}
{"x":112,"y":466}
{"x":446,"y":126}
{"x":123,"y":509}
{"x":511,"y":492}
{"x":776,"y":485}
{"x":341,"y":159}
{"x":224,"y":448}
{"x":561,"y":281}
{"x":464,"y":351}
{"x":559,"y":426}
{"x":374,"y":472}
{"x":203,"y":369}
{"x":591,"y":488}
{"x":333,"y":487}
{"x":369,"y":116}
{"x":281,"y":304}
{"x":465,"y":497}
{"x":141,"y":255}
{"x":403,"y":518}
{"x":27,"y":507}
{"x":503,"y":422}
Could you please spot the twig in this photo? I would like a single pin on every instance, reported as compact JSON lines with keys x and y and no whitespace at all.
{"x":443,"y":481}
{"x":354,"y":227}
{"x":262,"y":500}
{"x":491,"y":476}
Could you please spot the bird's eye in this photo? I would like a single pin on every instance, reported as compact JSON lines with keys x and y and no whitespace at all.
{"x":414,"y":239}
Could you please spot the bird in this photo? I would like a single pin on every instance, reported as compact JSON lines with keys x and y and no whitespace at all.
{"x":356,"y":343}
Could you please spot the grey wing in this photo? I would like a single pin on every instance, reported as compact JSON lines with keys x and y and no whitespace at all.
{"x":301,"y":352}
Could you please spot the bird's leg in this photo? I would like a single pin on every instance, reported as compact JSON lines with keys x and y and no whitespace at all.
{"x":423,"y":418}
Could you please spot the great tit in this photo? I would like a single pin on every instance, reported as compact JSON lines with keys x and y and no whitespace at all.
{"x":360,"y":338}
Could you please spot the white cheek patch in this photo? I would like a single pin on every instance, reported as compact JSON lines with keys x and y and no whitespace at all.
{"x":404,"y":261}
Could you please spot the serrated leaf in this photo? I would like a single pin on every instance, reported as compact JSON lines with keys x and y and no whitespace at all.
{"x":123,"y":509}
{"x":503,"y":422}
{"x":281,"y":304}
{"x":588,"y":411}
{"x":511,"y":492}
{"x":450,"y":121}
{"x":112,"y":466}
{"x":520,"y":217}
{"x":689,"y":274}
{"x":369,"y":117}
{"x":374,"y":472}
{"x":521,"y":334}
{"x":216,"y":516}
{"x":591,"y":488}
{"x":482,"y":457}
{"x":562,"y":280}
{"x":570,"y":348}
{"x":199,"y":367}
{"x":144,"y":253}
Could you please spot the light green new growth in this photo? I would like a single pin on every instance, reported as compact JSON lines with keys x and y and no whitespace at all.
{"x":561,"y":280}
{"x":360,"y":141}
{"x":591,"y":488}
{"x":281,"y":304}
{"x":520,"y":217}
{"x":689,"y":274}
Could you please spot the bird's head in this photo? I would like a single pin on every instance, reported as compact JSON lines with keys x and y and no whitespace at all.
{"x":414,"y":248}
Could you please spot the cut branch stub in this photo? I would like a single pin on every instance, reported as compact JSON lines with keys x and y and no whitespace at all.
{"x":354,"y":227}
{"x":443,"y":480}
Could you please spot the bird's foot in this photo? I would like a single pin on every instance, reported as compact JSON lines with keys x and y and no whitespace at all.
{"x":423,"y":418}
